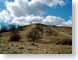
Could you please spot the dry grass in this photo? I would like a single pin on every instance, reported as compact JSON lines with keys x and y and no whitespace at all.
{"x":51,"y":40}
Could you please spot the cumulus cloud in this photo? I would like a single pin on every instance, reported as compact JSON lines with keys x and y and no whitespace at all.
{"x":52,"y":3}
{"x":21,"y":12}
{"x":25,"y":7}
{"x":5,"y":16}
{"x":48,"y":20}
{"x":27,"y":20}
{"x":53,"y":20}
{"x":5,"y":19}
{"x":68,"y":23}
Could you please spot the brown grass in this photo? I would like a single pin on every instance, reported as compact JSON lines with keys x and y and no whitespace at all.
{"x":44,"y":40}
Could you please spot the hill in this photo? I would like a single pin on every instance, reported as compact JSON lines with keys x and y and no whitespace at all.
{"x":37,"y":39}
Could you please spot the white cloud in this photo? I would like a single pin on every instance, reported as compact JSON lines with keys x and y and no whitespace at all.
{"x":5,"y":16}
{"x":25,"y":7}
{"x":26,"y":20}
{"x":53,"y":20}
{"x":68,"y":23}
{"x":21,"y":21}
{"x":52,"y":3}
{"x":48,"y":20}
{"x":21,"y":12}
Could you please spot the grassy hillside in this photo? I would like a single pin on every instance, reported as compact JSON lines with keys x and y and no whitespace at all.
{"x":37,"y":39}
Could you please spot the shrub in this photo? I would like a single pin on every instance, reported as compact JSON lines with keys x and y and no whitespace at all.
{"x":15,"y":37}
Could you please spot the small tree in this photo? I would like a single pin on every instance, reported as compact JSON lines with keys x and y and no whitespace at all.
{"x":15,"y":37}
{"x":34,"y":36}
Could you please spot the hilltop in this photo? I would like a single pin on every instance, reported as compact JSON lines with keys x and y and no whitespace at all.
{"x":37,"y":38}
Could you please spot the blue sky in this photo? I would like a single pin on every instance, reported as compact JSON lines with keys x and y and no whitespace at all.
{"x":57,"y":12}
{"x":64,"y":12}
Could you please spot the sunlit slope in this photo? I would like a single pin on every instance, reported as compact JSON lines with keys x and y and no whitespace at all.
{"x":37,"y":38}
